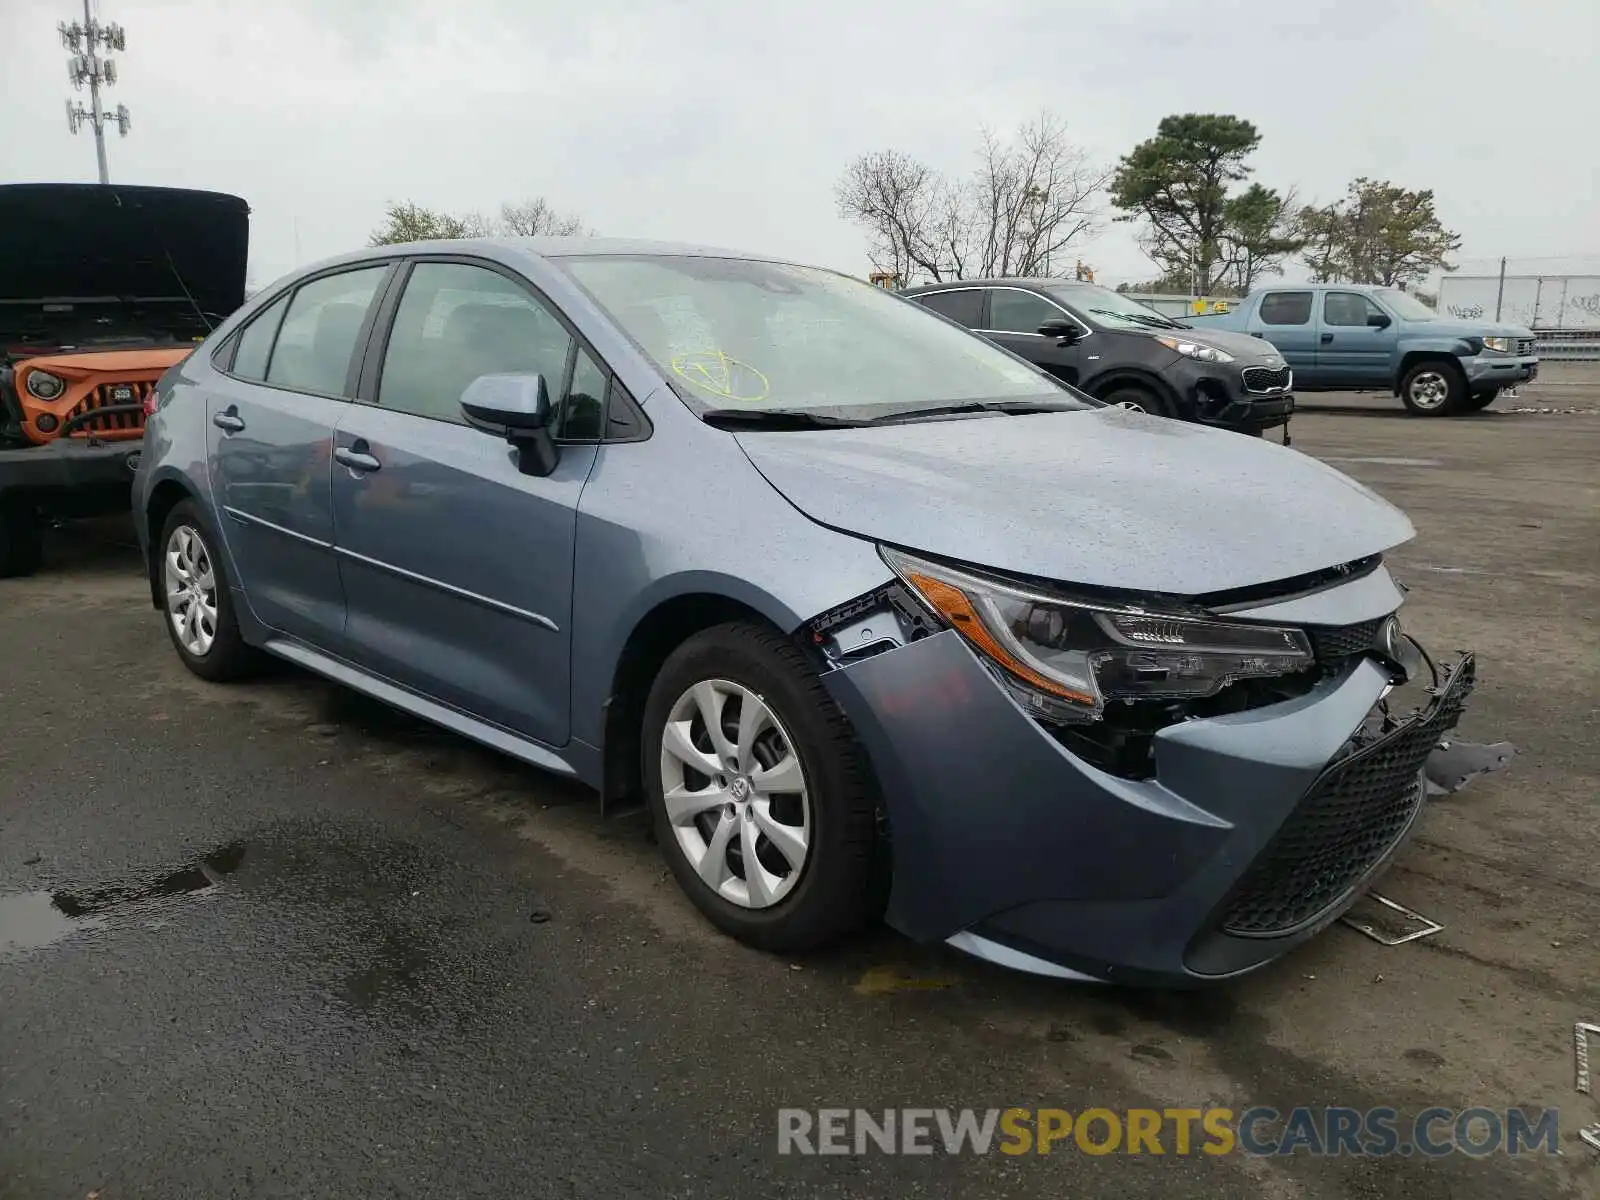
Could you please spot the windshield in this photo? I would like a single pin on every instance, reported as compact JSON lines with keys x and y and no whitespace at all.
{"x":734,"y":333}
{"x":1405,"y":305}
{"x":1110,"y":309}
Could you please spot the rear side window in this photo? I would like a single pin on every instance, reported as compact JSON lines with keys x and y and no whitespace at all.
{"x":1019,"y":312}
{"x":255,"y":342}
{"x":320,"y":330}
{"x":1286,"y":308}
{"x":965,"y":306}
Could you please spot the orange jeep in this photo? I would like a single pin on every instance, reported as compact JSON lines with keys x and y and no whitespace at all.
{"x":102,"y":289}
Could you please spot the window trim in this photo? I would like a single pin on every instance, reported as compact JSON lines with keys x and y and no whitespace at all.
{"x":1312,"y":316}
{"x":1322,"y":314}
{"x":291,"y":290}
{"x":371,"y":374}
{"x":988,"y":312}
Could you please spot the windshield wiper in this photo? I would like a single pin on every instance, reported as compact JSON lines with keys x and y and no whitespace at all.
{"x":1011,"y":407}
{"x":1154,"y":320}
{"x":774,"y":418}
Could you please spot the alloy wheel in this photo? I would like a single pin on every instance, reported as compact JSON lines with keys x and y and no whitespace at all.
{"x":735,"y":793}
{"x":191,"y":584}
{"x":1429,"y":390}
{"x":1132,"y":406}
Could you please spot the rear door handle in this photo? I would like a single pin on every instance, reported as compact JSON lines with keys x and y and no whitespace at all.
{"x":355,"y":459}
{"x":1326,"y":338}
{"x":229,"y":421}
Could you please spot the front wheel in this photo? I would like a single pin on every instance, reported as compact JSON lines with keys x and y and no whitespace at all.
{"x":1434,"y":388}
{"x":21,"y":537}
{"x":1137,"y":399}
{"x":761,"y":798}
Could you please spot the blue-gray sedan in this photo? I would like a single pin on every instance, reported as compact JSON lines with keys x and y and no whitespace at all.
{"x":873,"y":616}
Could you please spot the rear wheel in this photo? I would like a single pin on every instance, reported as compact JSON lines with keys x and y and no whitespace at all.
{"x":196,"y":600}
{"x":21,"y":537}
{"x":1434,"y":388}
{"x":1480,"y":400}
{"x":1137,"y":399}
{"x":760,"y":795}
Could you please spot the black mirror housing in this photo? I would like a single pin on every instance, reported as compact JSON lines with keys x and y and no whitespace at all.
{"x":1058,"y":327}
{"x":1378,"y":320}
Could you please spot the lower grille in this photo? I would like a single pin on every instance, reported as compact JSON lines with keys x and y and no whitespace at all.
{"x":1266,"y":379}
{"x":107,"y":395}
{"x":1347,"y":822}
{"x":1333,"y":642}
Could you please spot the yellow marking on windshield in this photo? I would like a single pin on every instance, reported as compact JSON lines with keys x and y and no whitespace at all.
{"x":722,"y":375}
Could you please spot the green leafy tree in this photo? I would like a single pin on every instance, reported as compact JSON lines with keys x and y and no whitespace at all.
{"x":1260,"y":229}
{"x":410,"y":222}
{"x":1378,"y":233}
{"x":1176,"y":185}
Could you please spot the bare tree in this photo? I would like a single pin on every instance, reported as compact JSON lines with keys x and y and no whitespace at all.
{"x":536,"y":218}
{"x":1029,"y":199}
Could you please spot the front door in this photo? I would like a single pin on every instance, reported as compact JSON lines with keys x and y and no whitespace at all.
{"x":1013,"y":321}
{"x":1355,"y":341}
{"x":457,"y":567}
{"x":272,"y":415}
{"x":1284,"y":318}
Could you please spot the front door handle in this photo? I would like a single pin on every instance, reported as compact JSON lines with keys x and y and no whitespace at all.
{"x":1326,"y":338}
{"x":229,"y":421}
{"x":355,"y":459}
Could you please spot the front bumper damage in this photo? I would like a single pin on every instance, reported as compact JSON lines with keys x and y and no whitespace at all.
{"x":1256,"y":831}
{"x":1217,"y":394}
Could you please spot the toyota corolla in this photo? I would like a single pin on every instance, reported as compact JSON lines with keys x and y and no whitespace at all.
{"x":872,"y":615}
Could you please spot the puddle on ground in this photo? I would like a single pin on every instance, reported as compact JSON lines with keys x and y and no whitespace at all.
{"x":1384,"y":461}
{"x":32,"y":920}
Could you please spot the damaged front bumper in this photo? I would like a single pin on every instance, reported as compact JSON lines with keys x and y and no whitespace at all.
{"x":1258,"y":829}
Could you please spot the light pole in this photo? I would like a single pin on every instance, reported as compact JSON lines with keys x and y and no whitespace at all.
{"x":86,"y":42}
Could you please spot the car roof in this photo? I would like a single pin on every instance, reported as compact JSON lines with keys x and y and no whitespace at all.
{"x":1033,"y":283}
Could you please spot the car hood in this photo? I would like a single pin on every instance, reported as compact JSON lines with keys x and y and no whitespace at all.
{"x":1103,"y":497}
{"x":1454,"y":327}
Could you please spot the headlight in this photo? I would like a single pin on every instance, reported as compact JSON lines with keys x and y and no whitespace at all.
{"x":1500,"y":344}
{"x":44,"y":386}
{"x":1196,"y":350}
{"x":1064,"y":659}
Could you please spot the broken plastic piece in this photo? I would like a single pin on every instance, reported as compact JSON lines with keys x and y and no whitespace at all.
{"x":1386,"y":939}
{"x":1454,"y":764}
{"x":1591,"y":1136}
{"x":1580,"y":1052}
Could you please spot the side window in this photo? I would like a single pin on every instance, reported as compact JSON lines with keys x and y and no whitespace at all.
{"x":312,"y":353}
{"x":1286,"y":308}
{"x":584,"y":406}
{"x":1347,"y":308}
{"x":965,"y":306}
{"x":456,"y":322}
{"x":1019,"y":312}
{"x":255,"y":342}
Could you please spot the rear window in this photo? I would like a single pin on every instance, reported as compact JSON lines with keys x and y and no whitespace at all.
{"x":965,"y":306}
{"x":1286,"y":308}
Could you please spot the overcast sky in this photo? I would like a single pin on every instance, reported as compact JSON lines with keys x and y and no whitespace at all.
{"x":729,"y":122}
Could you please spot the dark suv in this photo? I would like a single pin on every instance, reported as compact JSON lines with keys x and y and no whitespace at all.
{"x":1120,"y":351}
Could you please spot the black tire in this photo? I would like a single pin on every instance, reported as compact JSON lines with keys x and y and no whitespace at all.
{"x":1480,"y":400}
{"x":835,"y":893}
{"x":228,"y":656}
{"x":1128,"y":395}
{"x":21,"y":537}
{"x":1434,"y":387}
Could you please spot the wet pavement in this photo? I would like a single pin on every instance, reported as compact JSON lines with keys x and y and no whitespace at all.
{"x":274,"y":939}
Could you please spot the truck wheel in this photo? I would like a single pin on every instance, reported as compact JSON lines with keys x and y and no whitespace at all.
{"x":1138,"y":399}
{"x":761,"y":796}
{"x":21,"y":537}
{"x":1480,"y":400}
{"x":1434,"y":388}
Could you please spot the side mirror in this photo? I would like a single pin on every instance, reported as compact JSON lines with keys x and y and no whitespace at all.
{"x":1060,"y":327}
{"x":1378,"y":320}
{"x":517,"y":408}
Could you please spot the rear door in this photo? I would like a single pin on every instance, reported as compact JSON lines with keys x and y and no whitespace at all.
{"x":1012,"y":319}
{"x":1284,"y":318}
{"x":457,"y":567}
{"x":285,"y":382}
{"x":1352,"y":351}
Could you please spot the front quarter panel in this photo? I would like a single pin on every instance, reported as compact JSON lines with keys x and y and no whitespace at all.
{"x":686,"y":513}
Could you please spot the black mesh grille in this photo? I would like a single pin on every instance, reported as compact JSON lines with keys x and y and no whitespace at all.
{"x":1332,"y":642}
{"x":1266,"y":379}
{"x":1348,"y":820}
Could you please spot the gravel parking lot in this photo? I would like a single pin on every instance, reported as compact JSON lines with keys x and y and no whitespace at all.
{"x":317,"y":948}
